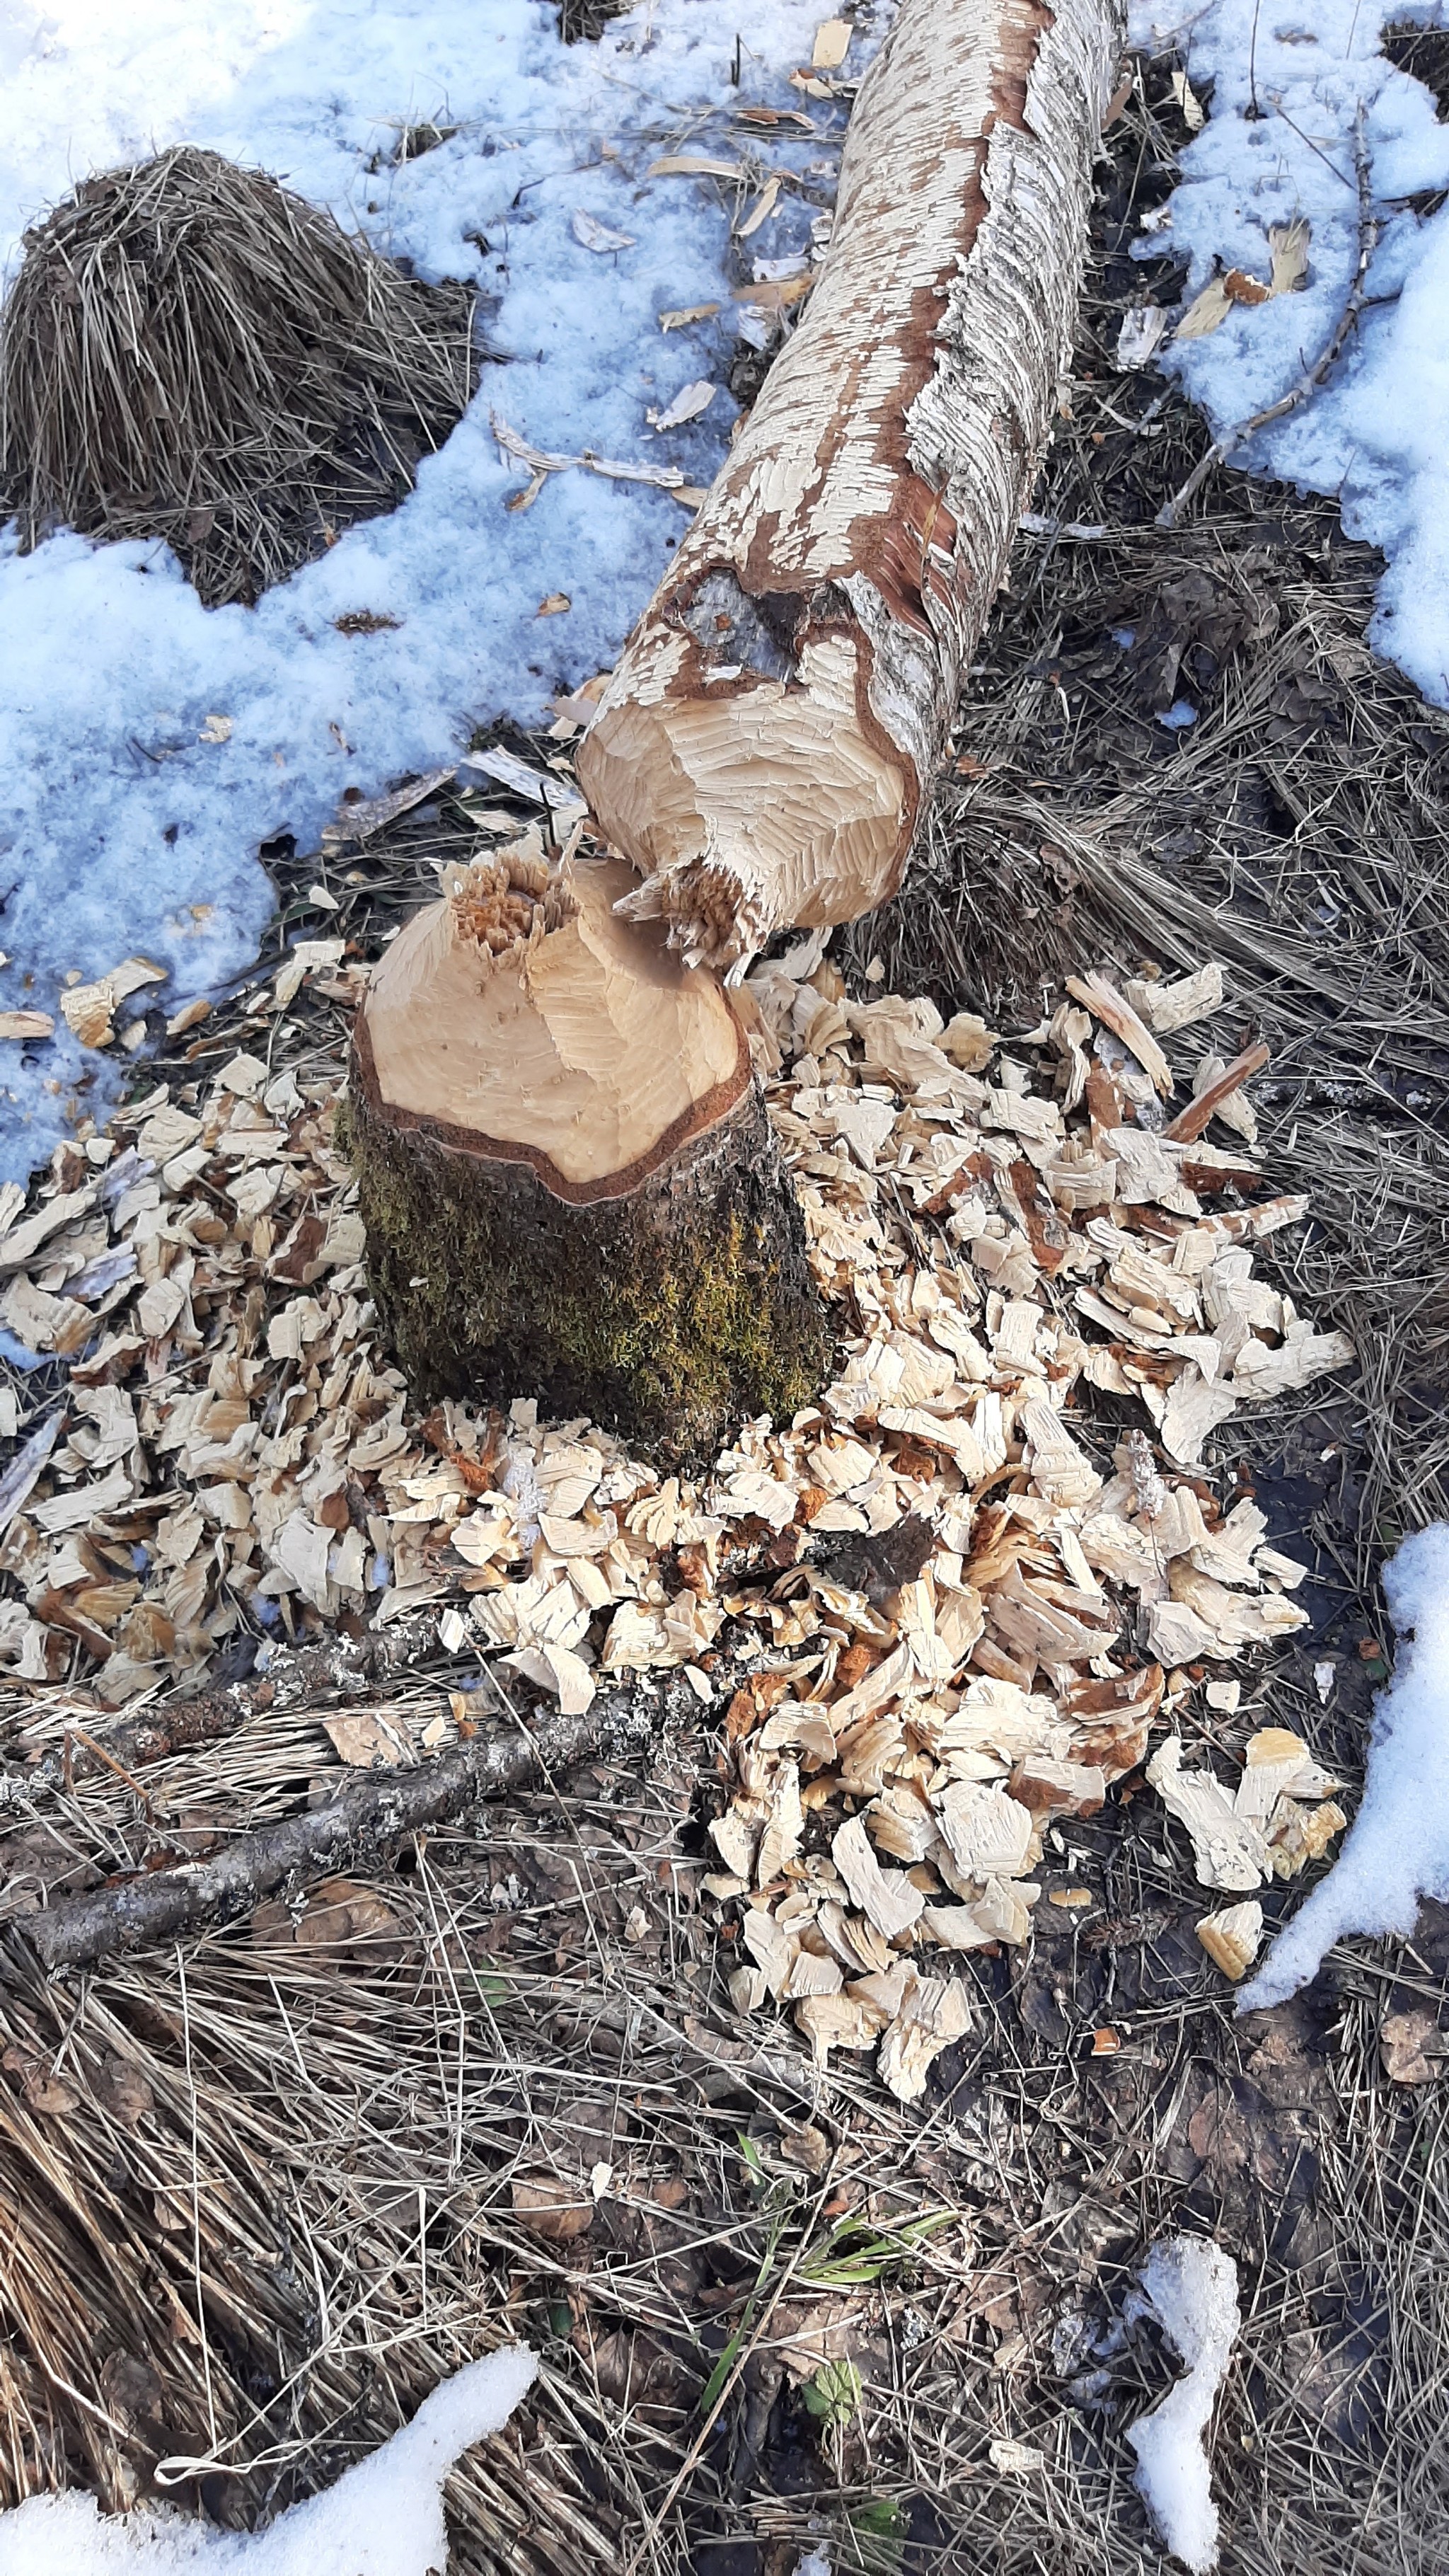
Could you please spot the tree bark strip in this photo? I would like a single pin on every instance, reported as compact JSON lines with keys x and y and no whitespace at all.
{"x":763,"y":749}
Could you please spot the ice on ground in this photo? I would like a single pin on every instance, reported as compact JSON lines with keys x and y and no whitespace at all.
{"x":1397,"y":1849}
{"x":1375,"y":435}
{"x":383,"y":2518}
{"x":1193,"y":2286}
{"x":126,"y":825}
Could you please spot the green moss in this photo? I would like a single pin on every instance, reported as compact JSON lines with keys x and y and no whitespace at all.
{"x":667,"y":1317}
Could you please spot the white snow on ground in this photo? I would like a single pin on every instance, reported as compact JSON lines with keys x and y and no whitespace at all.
{"x":383,"y":2518}
{"x":121,"y":830}
{"x":1378,"y":434}
{"x":1193,"y":2285}
{"x":1398,"y":1847}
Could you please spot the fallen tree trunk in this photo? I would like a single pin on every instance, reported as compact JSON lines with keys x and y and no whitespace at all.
{"x":373,"y":1810}
{"x":762,"y":750}
{"x":568,"y":1180}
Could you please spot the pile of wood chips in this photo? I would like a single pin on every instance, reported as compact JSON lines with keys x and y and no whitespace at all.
{"x":959,"y":1603}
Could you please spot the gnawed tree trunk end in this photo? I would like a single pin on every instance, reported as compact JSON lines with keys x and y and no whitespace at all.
{"x":567,"y":1176}
{"x":767,"y":740}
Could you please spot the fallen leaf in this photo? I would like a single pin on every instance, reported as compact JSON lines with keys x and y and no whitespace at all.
{"x":123,"y":2091}
{"x":362,"y":1737}
{"x":763,"y":207}
{"x":1413,"y":2047}
{"x":832,"y":44}
{"x":694,"y":165}
{"x":1289,"y":246}
{"x":1207,"y":312}
{"x":550,"y":2207}
{"x":340,"y":1911}
{"x":1194,"y":114}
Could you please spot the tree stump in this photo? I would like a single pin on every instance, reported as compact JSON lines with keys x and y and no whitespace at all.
{"x":569,"y":1183}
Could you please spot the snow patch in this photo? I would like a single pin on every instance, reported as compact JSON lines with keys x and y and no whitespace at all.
{"x":127,"y":825}
{"x":1397,"y":1849}
{"x":1374,"y":434}
{"x":1193,"y":2286}
{"x":383,"y":2518}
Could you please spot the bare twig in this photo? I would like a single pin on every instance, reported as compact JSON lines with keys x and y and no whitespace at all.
{"x":375,"y":1808}
{"x":1309,"y":382}
{"x":342,"y":1667}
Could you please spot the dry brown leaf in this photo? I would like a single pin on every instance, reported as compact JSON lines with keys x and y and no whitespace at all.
{"x":1413,"y":2048}
{"x":552,"y":2208}
{"x":364,"y":1737}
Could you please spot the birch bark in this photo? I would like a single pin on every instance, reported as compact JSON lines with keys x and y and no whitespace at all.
{"x":763,"y":749}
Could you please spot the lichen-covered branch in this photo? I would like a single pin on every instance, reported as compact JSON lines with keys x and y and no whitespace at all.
{"x":371,"y":1811}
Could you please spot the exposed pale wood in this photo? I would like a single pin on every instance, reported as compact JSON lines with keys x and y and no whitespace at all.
{"x":762,"y":750}
{"x":584,"y":1048}
{"x":569,"y":1185}
{"x":1190,"y":1123}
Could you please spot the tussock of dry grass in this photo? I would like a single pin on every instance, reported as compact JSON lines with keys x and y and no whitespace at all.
{"x":189,"y":351}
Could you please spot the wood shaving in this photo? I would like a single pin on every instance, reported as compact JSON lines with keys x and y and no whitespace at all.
{"x":236,"y":1452}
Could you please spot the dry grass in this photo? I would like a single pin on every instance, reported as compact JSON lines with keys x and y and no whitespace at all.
{"x":189,"y":351}
{"x":315,"y":2217}
{"x":1298,"y":830}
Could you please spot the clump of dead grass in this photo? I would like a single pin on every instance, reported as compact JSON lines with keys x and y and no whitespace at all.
{"x":189,"y":351}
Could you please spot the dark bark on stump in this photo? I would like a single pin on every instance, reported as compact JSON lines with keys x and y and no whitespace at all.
{"x":668,"y":1312}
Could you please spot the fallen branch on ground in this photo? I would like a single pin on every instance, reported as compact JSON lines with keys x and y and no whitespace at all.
{"x":373,"y":1810}
{"x":289,"y":1681}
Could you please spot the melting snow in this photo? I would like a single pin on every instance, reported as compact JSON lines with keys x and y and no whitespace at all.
{"x":126,"y":825}
{"x":383,"y":2518}
{"x":1398,"y":1848}
{"x":1375,"y":434}
{"x":1193,"y":2285}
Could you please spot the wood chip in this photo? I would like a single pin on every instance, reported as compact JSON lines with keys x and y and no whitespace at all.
{"x":1102,"y":998}
{"x":1233,"y":1938}
{"x":885,"y":1897}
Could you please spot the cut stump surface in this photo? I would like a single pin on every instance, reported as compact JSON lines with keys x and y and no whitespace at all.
{"x":566,"y":1172}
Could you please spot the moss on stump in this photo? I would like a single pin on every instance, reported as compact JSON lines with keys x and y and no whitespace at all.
{"x":668,"y":1314}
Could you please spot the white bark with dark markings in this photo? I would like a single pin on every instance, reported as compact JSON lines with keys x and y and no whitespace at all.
{"x":763,"y":749}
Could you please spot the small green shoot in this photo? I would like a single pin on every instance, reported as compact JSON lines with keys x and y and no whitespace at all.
{"x":833,"y":2395}
{"x":857,"y":2256}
